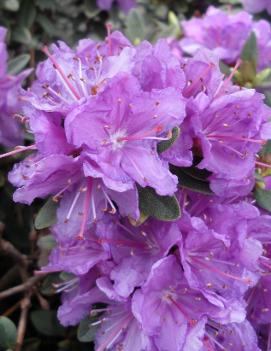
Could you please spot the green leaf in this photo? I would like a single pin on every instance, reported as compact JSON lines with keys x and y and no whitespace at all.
{"x":263,"y":198}
{"x":91,"y":9}
{"x":47,"y":215}
{"x":46,"y":323}
{"x":250,"y":51}
{"x":224,"y":68}
{"x":166,"y":144}
{"x":22,"y":35}
{"x":8,"y":333}
{"x":46,"y":242}
{"x":48,"y":284}
{"x":192,"y":179}
{"x":17,"y":64}
{"x":136,"y":28}
{"x":86,"y":332}
{"x":10,"y":5}
{"x":46,"y":24}
{"x":165,"y":208}
{"x":27,"y":13}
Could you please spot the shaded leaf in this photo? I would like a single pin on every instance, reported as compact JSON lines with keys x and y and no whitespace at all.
{"x":136,"y":28}
{"x":48,"y":284}
{"x":166,"y":144}
{"x":263,"y":198}
{"x":191,"y":180}
{"x":47,"y":215}
{"x":250,"y":50}
{"x":10,"y":5}
{"x":86,"y":332}
{"x":27,"y":13}
{"x":18,"y":63}
{"x":46,"y":242}
{"x":46,"y":323}
{"x":8,"y":333}
{"x":165,"y":208}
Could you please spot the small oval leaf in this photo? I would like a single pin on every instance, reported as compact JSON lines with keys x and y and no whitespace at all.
{"x":46,"y":242}
{"x":8,"y":333}
{"x":263,"y":198}
{"x":166,"y":144}
{"x":86,"y":331}
{"x":17,"y":64}
{"x":47,"y":215}
{"x":193,"y":179}
{"x":165,"y":208}
{"x":46,"y":323}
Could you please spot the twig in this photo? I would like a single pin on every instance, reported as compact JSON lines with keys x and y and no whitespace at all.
{"x":19,"y":288}
{"x":9,"y":277}
{"x":25,"y":305}
{"x":8,"y":249}
{"x":12,"y":309}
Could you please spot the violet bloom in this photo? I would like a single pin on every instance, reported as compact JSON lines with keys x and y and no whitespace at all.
{"x":10,"y":131}
{"x":96,"y":89}
{"x":134,"y":250}
{"x":225,"y":34}
{"x":257,"y":6}
{"x":262,"y":30}
{"x":235,"y":336}
{"x":68,"y":77}
{"x":212,"y":265}
{"x":230,"y":129}
{"x":126,"y":125}
{"x":125,"y":5}
{"x":170,"y":310}
{"x":259,"y":306}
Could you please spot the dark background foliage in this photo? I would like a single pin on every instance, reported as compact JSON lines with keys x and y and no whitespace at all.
{"x":23,"y":249}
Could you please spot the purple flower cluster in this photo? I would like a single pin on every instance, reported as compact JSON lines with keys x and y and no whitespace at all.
{"x":225,"y":34}
{"x":97,"y":114}
{"x":10,"y":131}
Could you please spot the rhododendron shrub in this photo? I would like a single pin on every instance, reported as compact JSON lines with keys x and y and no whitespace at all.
{"x":149,"y":160}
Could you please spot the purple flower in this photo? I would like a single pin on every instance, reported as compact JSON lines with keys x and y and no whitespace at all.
{"x":225,"y":34}
{"x":262,"y":31}
{"x":10,"y":131}
{"x":135,"y":250}
{"x":257,"y":6}
{"x":235,"y":336}
{"x":230,"y":130}
{"x":212,"y":265}
{"x":122,"y":138}
{"x":68,"y":77}
{"x":169,"y":309}
{"x":125,"y":5}
{"x":259,"y":307}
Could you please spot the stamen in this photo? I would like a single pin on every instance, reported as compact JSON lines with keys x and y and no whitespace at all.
{"x":113,"y":208}
{"x":218,"y":271}
{"x":80,"y":236}
{"x":179,"y":307}
{"x":109,"y":29}
{"x":112,"y":337}
{"x":61,"y":72}
{"x":73,"y":205}
{"x":146,"y":135}
{"x":221,"y":89}
{"x":93,"y":208}
{"x":58,"y":195}
{"x":237,"y":138}
{"x":19,"y":149}
{"x":261,"y":164}
{"x":215,"y":341}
